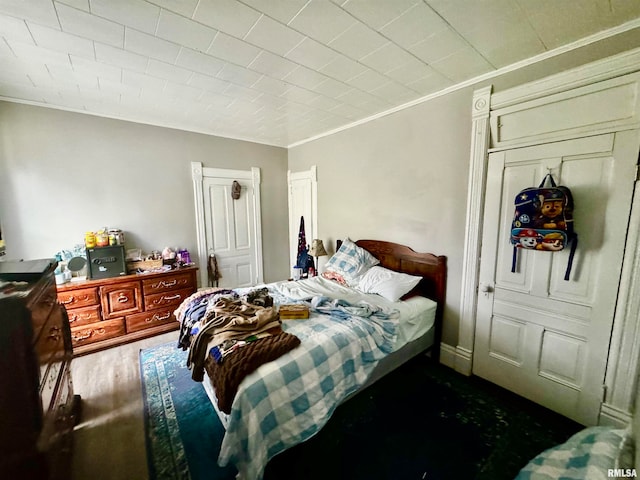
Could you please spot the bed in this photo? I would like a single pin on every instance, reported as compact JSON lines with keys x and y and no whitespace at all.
{"x":352,"y":338}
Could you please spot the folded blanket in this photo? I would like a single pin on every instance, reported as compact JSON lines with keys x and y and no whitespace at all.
{"x":227,"y":375}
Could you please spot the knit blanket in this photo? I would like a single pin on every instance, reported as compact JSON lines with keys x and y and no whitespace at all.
{"x":226,"y":375}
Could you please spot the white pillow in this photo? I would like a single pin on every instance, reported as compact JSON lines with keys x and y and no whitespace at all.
{"x":387,"y":283}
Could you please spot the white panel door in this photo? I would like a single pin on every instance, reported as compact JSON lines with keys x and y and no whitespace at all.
{"x":302,"y":203}
{"x":538,"y":335}
{"x":230,"y":231}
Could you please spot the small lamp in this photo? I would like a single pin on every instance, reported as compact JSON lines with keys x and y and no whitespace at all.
{"x":317,"y":250}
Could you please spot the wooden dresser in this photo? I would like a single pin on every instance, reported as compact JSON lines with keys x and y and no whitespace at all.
{"x":112,"y":311}
{"x":38,"y":409}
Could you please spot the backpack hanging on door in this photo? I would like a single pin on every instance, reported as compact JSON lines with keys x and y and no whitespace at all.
{"x":543,"y":221}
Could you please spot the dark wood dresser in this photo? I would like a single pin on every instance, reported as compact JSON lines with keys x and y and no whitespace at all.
{"x":107,"y":312}
{"x":38,"y":409}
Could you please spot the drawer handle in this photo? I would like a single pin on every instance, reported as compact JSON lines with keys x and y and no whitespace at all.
{"x":72,"y":299}
{"x":172,"y":297}
{"x":123,"y":298}
{"x":168,"y":284}
{"x":82,"y":336}
{"x":157,"y":318}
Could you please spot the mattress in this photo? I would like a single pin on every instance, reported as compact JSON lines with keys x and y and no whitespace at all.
{"x":417,"y":314}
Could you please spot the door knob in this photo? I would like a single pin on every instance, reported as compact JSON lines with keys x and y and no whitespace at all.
{"x":486,"y":288}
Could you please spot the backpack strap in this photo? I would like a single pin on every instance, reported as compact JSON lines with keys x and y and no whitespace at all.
{"x":514,"y":259}
{"x":544,"y":180}
{"x":574,"y":245}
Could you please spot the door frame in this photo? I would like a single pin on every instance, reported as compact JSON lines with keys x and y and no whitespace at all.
{"x":198,"y":173}
{"x":312,"y":176}
{"x":620,"y":380}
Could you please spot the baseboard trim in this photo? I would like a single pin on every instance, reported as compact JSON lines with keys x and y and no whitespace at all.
{"x":613,"y":416}
{"x":456,"y":357}
{"x":447,"y":355}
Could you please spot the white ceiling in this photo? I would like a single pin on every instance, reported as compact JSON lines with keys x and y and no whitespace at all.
{"x":275,"y":71}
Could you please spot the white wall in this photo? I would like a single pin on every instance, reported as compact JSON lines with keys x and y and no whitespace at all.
{"x":63,"y":173}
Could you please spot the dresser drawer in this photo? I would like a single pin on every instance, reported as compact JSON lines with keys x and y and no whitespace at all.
{"x":121,"y":299}
{"x":42,"y":307}
{"x":161,"y":300}
{"x":83,"y":297}
{"x":97,"y":332}
{"x":150,"y":319}
{"x":84,"y":316}
{"x":48,"y":382}
{"x":168,"y":283}
{"x":50,"y":342}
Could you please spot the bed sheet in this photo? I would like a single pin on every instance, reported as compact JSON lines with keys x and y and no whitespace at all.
{"x":417,"y":314}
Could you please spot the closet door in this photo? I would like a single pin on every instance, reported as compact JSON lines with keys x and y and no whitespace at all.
{"x":538,"y":335}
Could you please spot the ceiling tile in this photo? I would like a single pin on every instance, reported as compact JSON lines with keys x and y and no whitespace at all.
{"x":368,"y":80}
{"x":121,"y":58}
{"x":91,"y":67}
{"x":305,"y":77}
{"x":199,"y":62}
{"x":464,"y":16}
{"x":145,"y":82}
{"x":32,"y":54}
{"x":61,"y":41}
{"x":15,"y":29}
{"x":168,"y":72}
{"x":281,"y":11}
{"x":506,"y":42}
{"x":271,"y":86}
{"x":430,"y":84}
{"x":273,"y":36}
{"x":357,"y":41}
{"x":228,"y":16}
{"x":322,"y":20}
{"x":238,"y":75}
{"x":79,"y":4}
{"x":185,"y":8}
{"x":37,"y":11}
{"x":179,"y":90}
{"x":312,"y":54}
{"x":208,"y":83}
{"x":182,"y":30}
{"x":438,"y":46}
{"x":233,"y":50}
{"x":150,"y":46}
{"x":343,"y":68}
{"x":389,"y":57}
{"x":377,"y":13}
{"x":414,"y":25}
{"x":137,"y":14}
{"x":332,"y":88}
{"x":237,"y":91}
{"x":395,"y":93}
{"x":462,"y":65}
{"x":410,"y":71}
{"x":89,"y":26}
{"x":272,"y":65}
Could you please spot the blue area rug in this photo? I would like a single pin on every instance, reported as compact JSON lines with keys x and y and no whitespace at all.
{"x":183,"y":432}
{"x":423,"y":421}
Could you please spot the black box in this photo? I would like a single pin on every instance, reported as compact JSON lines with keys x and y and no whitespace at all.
{"x":106,"y":262}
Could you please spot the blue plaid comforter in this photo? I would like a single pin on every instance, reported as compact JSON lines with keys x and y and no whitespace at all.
{"x":591,"y":454}
{"x":287,"y":401}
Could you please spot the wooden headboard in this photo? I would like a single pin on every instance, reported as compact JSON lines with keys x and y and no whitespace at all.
{"x":432,"y":268}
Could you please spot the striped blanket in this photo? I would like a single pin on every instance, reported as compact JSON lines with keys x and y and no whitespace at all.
{"x":288,"y":400}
